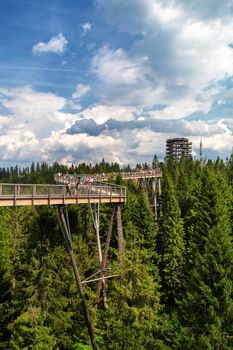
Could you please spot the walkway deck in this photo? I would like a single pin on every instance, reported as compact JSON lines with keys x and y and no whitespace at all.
{"x":92,"y":191}
{"x":28,"y":194}
{"x":72,"y":179}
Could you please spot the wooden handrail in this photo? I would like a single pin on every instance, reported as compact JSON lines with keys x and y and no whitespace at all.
{"x":34,"y":194}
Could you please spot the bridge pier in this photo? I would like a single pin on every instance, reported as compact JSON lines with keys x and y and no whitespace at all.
{"x":116,"y":211}
{"x":63,"y":219}
{"x":121,"y":245}
{"x":95,"y":212}
{"x":156,"y":191}
{"x":101,"y":285}
{"x":143,"y":184}
{"x":99,"y":276}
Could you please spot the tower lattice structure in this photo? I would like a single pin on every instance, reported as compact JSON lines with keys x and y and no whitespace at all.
{"x":177,"y":148}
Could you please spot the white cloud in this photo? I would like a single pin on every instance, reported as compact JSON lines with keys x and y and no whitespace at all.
{"x":116,"y":67}
{"x":188,"y":105}
{"x":32,"y":117}
{"x":81,"y":90}
{"x":101,"y":113}
{"x":206,"y":10}
{"x":86,"y":28}
{"x":56,"y":44}
{"x":186,"y":50}
{"x":179,"y":57}
{"x":37,"y":111}
{"x":87,"y":148}
{"x":124,"y":79}
{"x":224,"y":127}
{"x":138,"y":138}
{"x":19,"y":145}
{"x":35,"y":129}
{"x":75,"y":106}
{"x":218,"y":143}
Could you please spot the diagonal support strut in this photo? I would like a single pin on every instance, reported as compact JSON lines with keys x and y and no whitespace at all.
{"x":63,"y":219}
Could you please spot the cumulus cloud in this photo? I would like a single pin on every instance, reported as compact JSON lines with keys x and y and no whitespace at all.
{"x":208,"y":10}
{"x":124,"y":79}
{"x":182,"y":50}
{"x":86,"y":147}
{"x":88,"y":126}
{"x":56,"y":44}
{"x":180,"y":58}
{"x":31,"y":117}
{"x":116,"y":67}
{"x":101,"y":112}
{"x":141,"y":136}
{"x":37,"y":128}
{"x":35,"y":110}
{"x":179,"y":127}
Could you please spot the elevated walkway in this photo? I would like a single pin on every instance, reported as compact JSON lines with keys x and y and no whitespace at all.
{"x":137,"y":175}
{"x":36,"y":194}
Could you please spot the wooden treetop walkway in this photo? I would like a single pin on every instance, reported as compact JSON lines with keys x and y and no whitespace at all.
{"x":92,"y":190}
{"x":37,"y":194}
{"x":143,"y":174}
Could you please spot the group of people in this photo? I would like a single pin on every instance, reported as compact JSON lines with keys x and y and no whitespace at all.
{"x":81,"y":181}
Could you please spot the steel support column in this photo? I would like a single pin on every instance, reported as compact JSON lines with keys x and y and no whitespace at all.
{"x":154,"y":195}
{"x":63,"y":219}
{"x":95,"y":212}
{"x":121,"y":245}
{"x":100,"y":284}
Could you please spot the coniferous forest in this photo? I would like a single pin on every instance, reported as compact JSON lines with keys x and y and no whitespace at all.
{"x":175,"y":290}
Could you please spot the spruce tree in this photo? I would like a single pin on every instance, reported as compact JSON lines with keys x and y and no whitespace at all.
{"x":170,"y":241}
{"x":206,"y":312}
{"x":208,"y":202}
{"x":132,"y":318}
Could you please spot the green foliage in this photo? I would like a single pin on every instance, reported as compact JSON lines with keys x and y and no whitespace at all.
{"x":132,"y":317}
{"x":174,"y":291}
{"x":81,"y":346}
{"x":170,"y":241}
{"x":28,"y":332}
{"x":207,"y":309}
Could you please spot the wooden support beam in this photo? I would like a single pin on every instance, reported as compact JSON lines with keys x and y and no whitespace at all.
{"x":64,"y":225}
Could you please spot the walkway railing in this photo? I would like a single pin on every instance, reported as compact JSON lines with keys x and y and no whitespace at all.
{"x":72,"y":179}
{"x":36,"y":194}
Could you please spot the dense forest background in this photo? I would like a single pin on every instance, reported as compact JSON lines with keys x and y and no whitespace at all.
{"x":175,"y":290}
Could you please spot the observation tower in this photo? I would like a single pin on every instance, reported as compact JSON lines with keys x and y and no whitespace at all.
{"x":178,"y":147}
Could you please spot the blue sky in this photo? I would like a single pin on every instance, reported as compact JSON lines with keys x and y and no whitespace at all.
{"x":82,"y":80}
